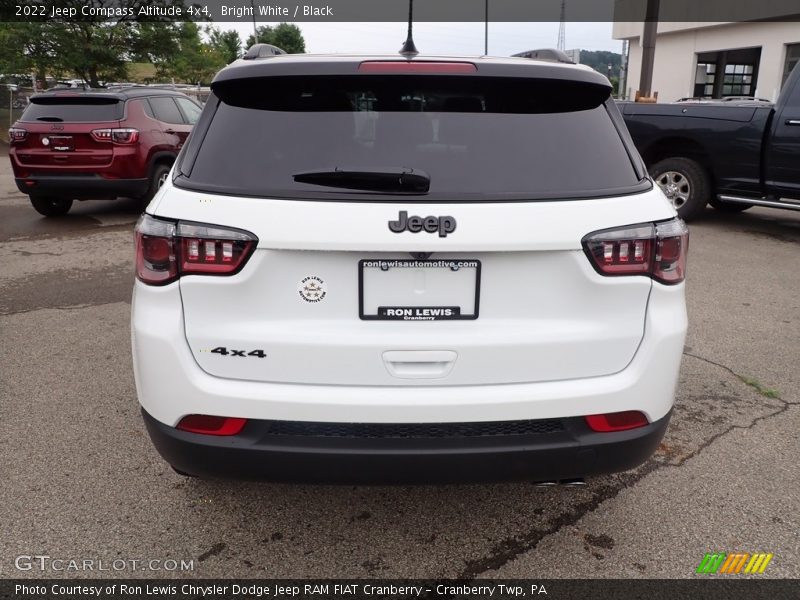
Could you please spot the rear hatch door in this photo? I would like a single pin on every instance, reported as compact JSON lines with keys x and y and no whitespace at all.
{"x":60,"y":130}
{"x":336,"y":176}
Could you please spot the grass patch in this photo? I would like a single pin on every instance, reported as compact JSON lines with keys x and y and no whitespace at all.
{"x":759,"y":387}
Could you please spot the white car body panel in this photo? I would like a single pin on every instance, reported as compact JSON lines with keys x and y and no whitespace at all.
{"x":170,"y":383}
{"x":557,"y":320}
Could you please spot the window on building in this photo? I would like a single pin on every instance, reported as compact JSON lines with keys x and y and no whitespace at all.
{"x":727,"y":73}
{"x":792,"y":58}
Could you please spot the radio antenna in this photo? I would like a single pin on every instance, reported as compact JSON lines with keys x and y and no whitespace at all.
{"x":409,"y":50}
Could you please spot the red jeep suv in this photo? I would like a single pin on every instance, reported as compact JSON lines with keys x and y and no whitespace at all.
{"x":75,"y":145}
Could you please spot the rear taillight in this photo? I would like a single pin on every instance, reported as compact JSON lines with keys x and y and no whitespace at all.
{"x":118,"y":136}
{"x":209,"y":425}
{"x":657,"y":250}
{"x":165,"y":250}
{"x":618,"y":421}
{"x":15,"y":135}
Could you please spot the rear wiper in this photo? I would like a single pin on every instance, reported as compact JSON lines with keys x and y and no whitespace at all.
{"x":392,"y":179}
{"x":50,"y":119}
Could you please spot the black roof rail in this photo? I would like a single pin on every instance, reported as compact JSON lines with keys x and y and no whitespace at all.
{"x":262,"y":51}
{"x":547,"y":54}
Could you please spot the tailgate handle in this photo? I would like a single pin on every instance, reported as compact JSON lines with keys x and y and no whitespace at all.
{"x":419,"y":364}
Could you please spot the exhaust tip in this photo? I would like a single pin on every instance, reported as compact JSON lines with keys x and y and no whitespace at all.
{"x":575,"y":482}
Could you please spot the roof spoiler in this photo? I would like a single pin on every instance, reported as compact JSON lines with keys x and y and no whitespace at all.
{"x":262,"y":51}
{"x":550,"y":54}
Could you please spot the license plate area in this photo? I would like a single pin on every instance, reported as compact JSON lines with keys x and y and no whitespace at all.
{"x":398,"y":289}
{"x":62,"y":143}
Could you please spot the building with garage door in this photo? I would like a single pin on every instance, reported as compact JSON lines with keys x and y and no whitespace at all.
{"x":713,"y":60}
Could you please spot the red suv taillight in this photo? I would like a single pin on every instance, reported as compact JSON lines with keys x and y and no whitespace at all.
{"x":118,"y":136}
{"x":165,"y":250}
{"x":15,"y":134}
{"x":657,"y":250}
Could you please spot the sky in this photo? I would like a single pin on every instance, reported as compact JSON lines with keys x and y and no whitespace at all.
{"x":505,"y":39}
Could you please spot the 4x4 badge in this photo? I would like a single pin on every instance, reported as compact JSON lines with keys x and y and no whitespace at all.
{"x":444,"y":224}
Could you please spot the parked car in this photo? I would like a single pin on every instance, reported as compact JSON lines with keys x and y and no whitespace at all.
{"x":80,"y":145}
{"x":483,"y":285}
{"x":733,"y":155}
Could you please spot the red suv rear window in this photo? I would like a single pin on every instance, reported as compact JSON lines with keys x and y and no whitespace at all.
{"x":72,"y":109}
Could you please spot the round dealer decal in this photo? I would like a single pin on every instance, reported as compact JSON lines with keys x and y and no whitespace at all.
{"x":312,"y":289}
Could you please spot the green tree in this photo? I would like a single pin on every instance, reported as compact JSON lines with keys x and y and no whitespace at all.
{"x":286,"y":36}
{"x":29,"y":48}
{"x":227,"y":43}
{"x":600,"y":59}
{"x":96,"y":50}
{"x":195,"y":61}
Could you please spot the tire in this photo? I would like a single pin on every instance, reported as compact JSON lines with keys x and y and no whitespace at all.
{"x":51,"y":206}
{"x":685,"y":183}
{"x":157,"y":179}
{"x":183,"y":473}
{"x":729,"y":207}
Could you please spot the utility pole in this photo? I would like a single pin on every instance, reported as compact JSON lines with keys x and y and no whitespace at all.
{"x":255,"y":29}
{"x":562,"y":28}
{"x":649,"y":48}
{"x":486,"y":28}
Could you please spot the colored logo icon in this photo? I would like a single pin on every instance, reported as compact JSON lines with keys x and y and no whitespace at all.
{"x":738,"y":562}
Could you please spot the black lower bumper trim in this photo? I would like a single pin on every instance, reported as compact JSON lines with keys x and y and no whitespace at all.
{"x":263,"y":451}
{"x":82,"y":187}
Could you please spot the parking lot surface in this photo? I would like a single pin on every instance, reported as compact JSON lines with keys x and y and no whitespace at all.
{"x":82,"y":481}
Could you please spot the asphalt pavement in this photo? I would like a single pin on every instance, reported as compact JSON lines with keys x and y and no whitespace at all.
{"x":81,"y":480}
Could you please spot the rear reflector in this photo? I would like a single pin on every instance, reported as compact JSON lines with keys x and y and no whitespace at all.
{"x":397,"y":66}
{"x":619,"y":421}
{"x":209,"y":425}
{"x":657,"y":250}
{"x":166,"y":250}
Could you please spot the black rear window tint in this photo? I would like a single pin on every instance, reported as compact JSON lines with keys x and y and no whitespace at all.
{"x":74,"y":109}
{"x":477,"y":138}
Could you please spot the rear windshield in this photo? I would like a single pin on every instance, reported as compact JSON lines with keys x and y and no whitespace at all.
{"x":73,"y":109}
{"x":468,"y":137}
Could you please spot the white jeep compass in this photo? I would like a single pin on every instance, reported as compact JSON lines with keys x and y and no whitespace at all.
{"x":379,"y":269}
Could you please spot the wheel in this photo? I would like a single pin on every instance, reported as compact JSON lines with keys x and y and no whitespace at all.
{"x":729,"y":207}
{"x":685,"y":183}
{"x":51,"y":206}
{"x":157,"y":179}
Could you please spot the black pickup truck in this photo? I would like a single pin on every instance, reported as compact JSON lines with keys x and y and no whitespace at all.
{"x":733,"y":155}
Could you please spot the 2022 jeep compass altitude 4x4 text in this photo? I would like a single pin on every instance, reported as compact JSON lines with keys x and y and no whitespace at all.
{"x":377,"y":269}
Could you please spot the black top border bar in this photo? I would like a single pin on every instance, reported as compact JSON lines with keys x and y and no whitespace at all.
{"x":705,"y":11}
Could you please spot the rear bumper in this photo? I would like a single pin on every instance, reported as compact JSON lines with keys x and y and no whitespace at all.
{"x":310,"y":453}
{"x":82,"y":187}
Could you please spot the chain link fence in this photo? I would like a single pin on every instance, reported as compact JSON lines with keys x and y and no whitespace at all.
{"x":13,"y":100}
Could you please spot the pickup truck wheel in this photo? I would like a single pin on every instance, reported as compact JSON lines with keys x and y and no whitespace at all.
{"x":50,"y":206}
{"x":729,"y":207}
{"x":685,"y":183}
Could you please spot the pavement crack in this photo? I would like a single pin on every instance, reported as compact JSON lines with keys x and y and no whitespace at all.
{"x":60,"y":308}
{"x":213,"y":551}
{"x":744,"y":379}
{"x":509,"y":549}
